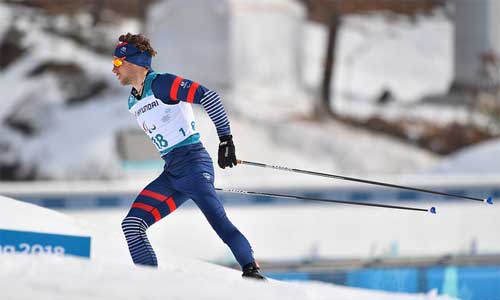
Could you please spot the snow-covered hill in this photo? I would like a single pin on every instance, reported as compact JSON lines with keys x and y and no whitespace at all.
{"x":478,"y":159}
{"x":45,"y":134}
{"x":109,"y":274}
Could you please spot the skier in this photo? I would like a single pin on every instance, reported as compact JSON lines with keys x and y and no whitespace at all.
{"x":161,"y":103}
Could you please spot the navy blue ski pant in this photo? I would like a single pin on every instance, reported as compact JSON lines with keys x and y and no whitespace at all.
{"x":188,"y":174}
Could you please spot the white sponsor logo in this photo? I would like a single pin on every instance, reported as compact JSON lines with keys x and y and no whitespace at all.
{"x":185,"y":84}
{"x":207,"y":176}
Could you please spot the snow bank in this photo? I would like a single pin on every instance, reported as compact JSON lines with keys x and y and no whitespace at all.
{"x":53,"y":278}
{"x":478,"y":159}
{"x":109,"y":276}
{"x":412,"y":59}
{"x":18,"y":215}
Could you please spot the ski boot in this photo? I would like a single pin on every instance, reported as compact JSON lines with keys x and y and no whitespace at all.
{"x":252,"y":271}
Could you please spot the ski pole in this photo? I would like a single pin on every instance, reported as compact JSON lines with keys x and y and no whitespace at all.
{"x":488,"y":200}
{"x":431,"y":210}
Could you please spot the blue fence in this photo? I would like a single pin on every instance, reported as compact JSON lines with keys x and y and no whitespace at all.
{"x":463,"y":282}
{"x":95,"y":200}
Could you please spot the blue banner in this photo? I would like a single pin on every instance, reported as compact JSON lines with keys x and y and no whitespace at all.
{"x":14,"y":241}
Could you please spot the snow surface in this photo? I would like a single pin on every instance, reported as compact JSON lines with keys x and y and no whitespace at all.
{"x":412,"y":59}
{"x":110,"y":274}
{"x":479,"y":159}
{"x":35,"y":218}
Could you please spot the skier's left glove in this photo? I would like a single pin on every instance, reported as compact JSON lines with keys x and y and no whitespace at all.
{"x":227,"y":156}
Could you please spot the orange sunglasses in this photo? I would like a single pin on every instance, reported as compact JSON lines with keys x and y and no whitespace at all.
{"x":118,"y":61}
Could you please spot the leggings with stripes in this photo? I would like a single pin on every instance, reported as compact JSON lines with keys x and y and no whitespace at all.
{"x":188,"y":174}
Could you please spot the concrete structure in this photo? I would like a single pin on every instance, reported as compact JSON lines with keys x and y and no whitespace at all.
{"x":223,"y":43}
{"x":477,"y":44}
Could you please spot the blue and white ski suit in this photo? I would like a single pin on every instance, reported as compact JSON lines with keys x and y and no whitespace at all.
{"x":164,"y":113}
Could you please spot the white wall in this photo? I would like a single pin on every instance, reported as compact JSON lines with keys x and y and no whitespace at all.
{"x":192,"y":38}
{"x":266,"y":41}
{"x":224,"y":43}
{"x":476,"y":33}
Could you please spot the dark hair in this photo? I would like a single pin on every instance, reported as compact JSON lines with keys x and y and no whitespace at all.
{"x":138,"y":40}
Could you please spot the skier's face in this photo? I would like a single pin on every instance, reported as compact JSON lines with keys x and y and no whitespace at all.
{"x":123,"y":70}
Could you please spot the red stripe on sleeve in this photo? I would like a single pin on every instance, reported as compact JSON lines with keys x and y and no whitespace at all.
{"x":153,"y":195}
{"x":171,"y":204}
{"x":192,"y":91}
{"x":175,"y":88}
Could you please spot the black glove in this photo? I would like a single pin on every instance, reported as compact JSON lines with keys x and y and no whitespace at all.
{"x":227,"y":156}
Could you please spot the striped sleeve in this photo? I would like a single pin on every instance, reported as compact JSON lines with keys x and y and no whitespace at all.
{"x":213,"y":106}
{"x":171,"y":89}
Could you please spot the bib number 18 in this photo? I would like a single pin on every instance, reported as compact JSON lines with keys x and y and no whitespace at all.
{"x":159,"y":141}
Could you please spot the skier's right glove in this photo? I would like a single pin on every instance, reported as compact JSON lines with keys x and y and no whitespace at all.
{"x":227,"y":156}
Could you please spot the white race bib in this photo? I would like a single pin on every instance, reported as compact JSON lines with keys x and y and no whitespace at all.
{"x":166,"y":125}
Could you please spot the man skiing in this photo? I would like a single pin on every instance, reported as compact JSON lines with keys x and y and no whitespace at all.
{"x":161,"y":103}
